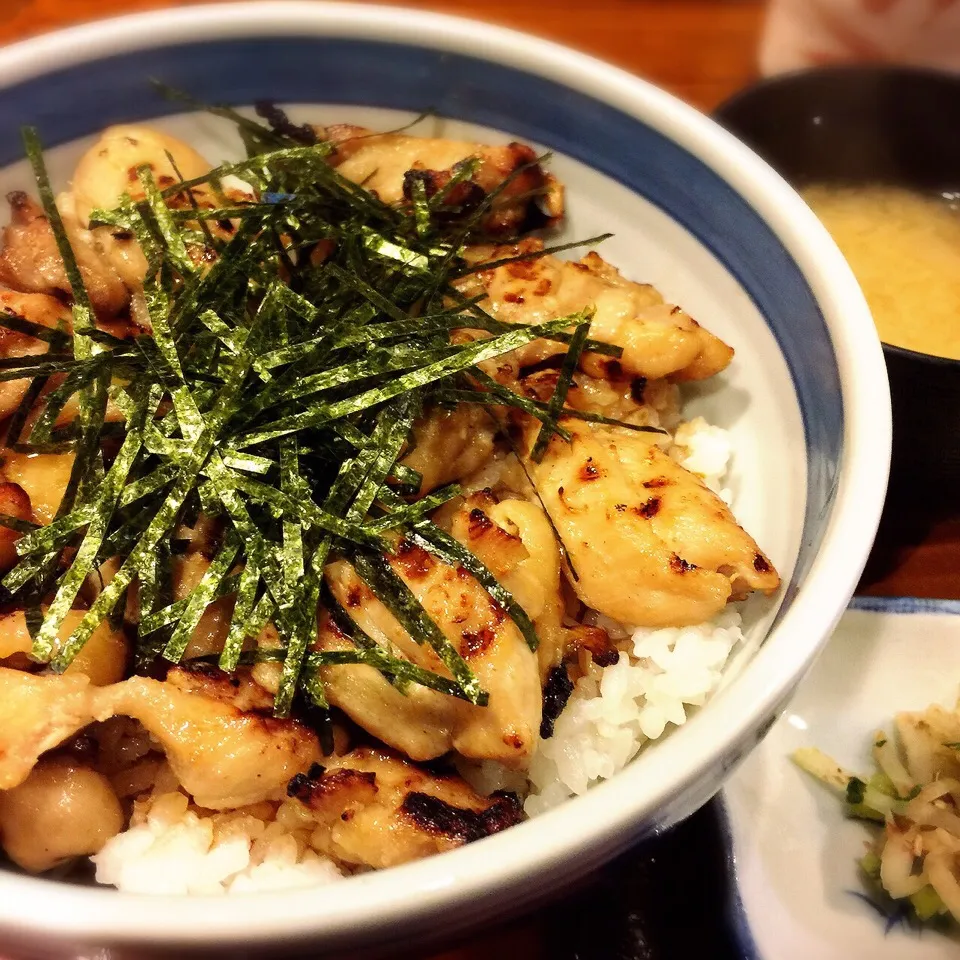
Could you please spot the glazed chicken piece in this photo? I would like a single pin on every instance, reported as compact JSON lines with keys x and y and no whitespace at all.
{"x":61,"y":811}
{"x":108,"y":169}
{"x":423,"y":723}
{"x":42,"y":477}
{"x":450,"y":444}
{"x":389,"y":165}
{"x":638,"y":401}
{"x":418,"y":721}
{"x":30,"y":261}
{"x":103,"y":659}
{"x":658,"y":339}
{"x":514,"y":540}
{"x":689,"y":517}
{"x":37,"y":713}
{"x":14,"y":502}
{"x":376,"y":809}
{"x":220,"y":740}
{"x":651,"y":545}
{"x":111,"y":262}
{"x":210,"y":633}
{"x":45,"y":311}
{"x":39,"y":309}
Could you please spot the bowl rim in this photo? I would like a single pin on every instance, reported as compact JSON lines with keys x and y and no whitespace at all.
{"x":803,"y":75}
{"x":918,"y":356}
{"x":581,"y":834}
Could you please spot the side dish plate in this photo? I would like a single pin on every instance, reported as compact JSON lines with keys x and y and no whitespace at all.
{"x":795,"y":853}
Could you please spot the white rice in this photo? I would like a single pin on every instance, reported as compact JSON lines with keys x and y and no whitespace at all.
{"x":704,"y":450}
{"x":173,"y":849}
{"x":613,"y":713}
{"x":609,"y":719}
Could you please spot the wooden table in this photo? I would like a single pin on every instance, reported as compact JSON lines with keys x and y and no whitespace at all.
{"x":702,"y":50}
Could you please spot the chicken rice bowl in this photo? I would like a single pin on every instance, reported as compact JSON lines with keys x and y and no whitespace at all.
{"x":345,"y":520}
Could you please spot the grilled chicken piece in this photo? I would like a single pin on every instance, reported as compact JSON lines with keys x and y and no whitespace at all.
{"x":14,"y":502}
{"x":220,"y":741}
{"x":210,"y":633}
{"x":111,"y":262}
{"x":376,"y":809}
{"x":109,"y":168}
{"x":514,"y":540}
{"x":651,"y":545}
{"x":450,"y":444}
{"x":418,"y":721}
{"x":45,"y":311}
{"x":39,"y":309}
{"x":42,"y":476}
{"x":658,"y":339}
{"x":103,"y":658}
{"x":422,"y":723}
{"x":636,"y":401}
{"x":31,"y":262}
{"x":37,"y":714}
{"x":63,"y":810}
{"x":389,"y":165}
{"x":689,"y":517}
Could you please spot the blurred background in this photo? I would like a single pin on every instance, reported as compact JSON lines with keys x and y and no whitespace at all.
{"x":702,"y":50}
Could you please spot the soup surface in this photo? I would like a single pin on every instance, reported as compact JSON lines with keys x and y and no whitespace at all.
{"x":904,"y":248}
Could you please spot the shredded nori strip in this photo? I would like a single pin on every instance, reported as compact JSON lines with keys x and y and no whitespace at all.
{"x":559,"y":399}
{"x":275,"y":396}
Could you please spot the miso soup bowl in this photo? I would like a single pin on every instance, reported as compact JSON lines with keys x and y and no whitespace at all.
{"x":858,"y":125}
{"x":694,"y":212}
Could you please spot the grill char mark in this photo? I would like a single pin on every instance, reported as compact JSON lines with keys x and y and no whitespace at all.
{"x":439,"y":818}
{"x":556,"y":693}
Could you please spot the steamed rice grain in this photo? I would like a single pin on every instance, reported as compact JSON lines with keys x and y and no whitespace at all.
{"x":171,"y":848}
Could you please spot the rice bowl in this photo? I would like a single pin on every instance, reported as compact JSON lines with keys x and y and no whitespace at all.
{"x":751,"y":698}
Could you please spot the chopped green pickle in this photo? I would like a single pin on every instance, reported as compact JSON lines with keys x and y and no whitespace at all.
{"x":914,"y":819}
{"x":927,"y":904}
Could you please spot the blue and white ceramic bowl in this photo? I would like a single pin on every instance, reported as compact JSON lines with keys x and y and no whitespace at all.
{"x":693,"y":212}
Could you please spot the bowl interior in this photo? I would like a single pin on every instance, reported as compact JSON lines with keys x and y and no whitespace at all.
{"x":635,"y":162}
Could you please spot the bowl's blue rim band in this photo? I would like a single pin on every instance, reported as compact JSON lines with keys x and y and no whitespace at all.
{"x":332,"y":70}
{"x":906,"y":605}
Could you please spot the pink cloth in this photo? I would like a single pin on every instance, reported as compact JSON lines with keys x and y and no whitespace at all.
{"x":808,"y":33}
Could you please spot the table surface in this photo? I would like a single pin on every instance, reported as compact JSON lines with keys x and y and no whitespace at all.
{"x":703,"y":51}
